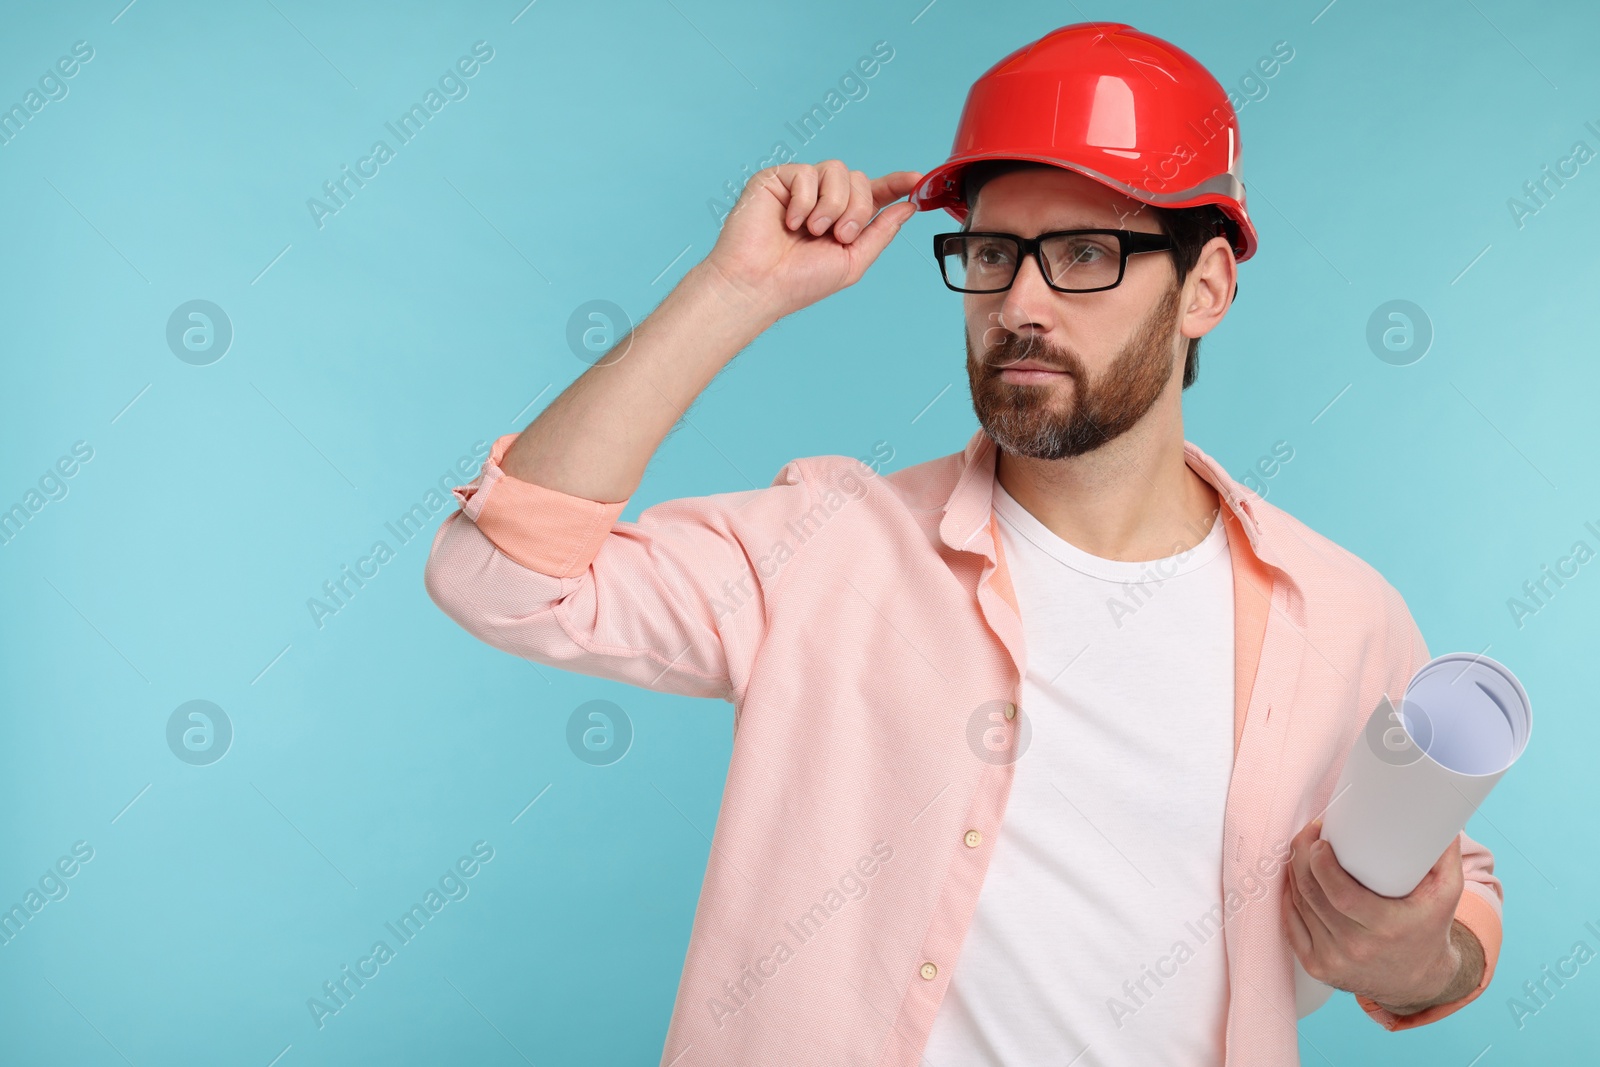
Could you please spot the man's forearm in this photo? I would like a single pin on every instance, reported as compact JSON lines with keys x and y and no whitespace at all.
{"x":596,"y":439}
{"x":1469,"y":972}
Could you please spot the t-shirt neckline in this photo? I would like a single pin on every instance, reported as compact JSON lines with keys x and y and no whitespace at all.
{"x":1024,"y":524}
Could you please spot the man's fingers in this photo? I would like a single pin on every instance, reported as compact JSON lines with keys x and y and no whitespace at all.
{"x":1295,"y":926}
{"x":833,"y":196}
{"x":1347,"y":897}
{"x":802,"y":196}
{"x":1311,"y":891}
{"x":859,"y":211}
{"x":828,"y":194}
{"x":876,"y":237}
{"x":1299,"y":861}
{"x":891,"y":187}
{"x":1316,"y":929}
{"x":1444,"y":875}
{"x":888,"y":220}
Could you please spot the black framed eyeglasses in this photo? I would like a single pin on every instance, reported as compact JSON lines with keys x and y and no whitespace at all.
{"x":1071,"y":261}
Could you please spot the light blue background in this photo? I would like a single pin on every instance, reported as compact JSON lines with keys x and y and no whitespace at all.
{"x":429,"y":313}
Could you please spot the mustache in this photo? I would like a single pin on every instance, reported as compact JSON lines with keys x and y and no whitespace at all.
{"x":1015,"y":349}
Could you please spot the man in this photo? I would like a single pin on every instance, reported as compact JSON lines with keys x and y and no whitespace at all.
{"x":1030,"y":739}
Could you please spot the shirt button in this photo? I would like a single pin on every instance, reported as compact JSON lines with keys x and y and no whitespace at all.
{"x":929,"y":971}
{"x":974,"y":839}
{"x":1011,"y":710}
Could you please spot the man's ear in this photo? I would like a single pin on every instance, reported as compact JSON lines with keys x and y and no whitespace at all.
{"x":1216,"y":282}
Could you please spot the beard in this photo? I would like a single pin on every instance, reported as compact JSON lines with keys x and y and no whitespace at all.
{"x":1024,"y":419}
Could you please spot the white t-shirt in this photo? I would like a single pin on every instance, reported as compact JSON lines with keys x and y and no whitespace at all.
{"x":1098,"y":928}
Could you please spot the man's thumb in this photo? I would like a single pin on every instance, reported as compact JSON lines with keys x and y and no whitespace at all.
{"x":881,"y":230}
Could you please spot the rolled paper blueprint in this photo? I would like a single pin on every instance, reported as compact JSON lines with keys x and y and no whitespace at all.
{"x":1416,"y":775}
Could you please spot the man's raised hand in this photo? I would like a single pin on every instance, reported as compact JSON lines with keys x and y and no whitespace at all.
{"x":802,"y":231}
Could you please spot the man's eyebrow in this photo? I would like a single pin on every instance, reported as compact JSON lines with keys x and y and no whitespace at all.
{"x":1069,"y":224}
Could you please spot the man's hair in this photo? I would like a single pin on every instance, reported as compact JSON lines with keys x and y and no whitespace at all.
{"x":1189,"y":228}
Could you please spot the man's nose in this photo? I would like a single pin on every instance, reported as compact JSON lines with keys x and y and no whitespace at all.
{"x":1030,"y":301}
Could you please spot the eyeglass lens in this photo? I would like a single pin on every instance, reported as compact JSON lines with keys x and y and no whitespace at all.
{"x":989,"y":264}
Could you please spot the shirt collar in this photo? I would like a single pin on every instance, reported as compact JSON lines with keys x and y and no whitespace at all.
{"x":970,"y":505}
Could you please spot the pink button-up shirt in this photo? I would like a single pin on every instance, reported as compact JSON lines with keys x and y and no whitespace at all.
{"x":865,"y":630}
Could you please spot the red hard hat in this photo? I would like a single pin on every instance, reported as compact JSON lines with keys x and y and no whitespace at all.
{"x":1129,"y":110}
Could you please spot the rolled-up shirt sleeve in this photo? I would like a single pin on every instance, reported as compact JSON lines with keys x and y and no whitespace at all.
{"x":543,"y":529}
{"x":671,"y":602}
